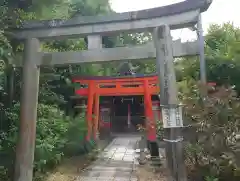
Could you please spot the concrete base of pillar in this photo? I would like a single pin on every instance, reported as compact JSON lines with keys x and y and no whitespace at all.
{"x":153,"y":148}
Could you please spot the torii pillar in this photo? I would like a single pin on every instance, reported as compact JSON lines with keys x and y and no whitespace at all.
{"x":171,"y":112}
{"x":28,"y":112}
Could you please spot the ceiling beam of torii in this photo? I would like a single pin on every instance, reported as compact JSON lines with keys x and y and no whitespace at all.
{"x":142,"y":52}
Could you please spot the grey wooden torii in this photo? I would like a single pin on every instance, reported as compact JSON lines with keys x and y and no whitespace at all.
{"x":158,"y":20}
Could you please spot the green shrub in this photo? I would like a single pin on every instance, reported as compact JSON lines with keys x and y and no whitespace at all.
{"x":216,"y":149}
{"x":55,"y":136}
{"x":210,"y":178}
{"x":76,"y":136}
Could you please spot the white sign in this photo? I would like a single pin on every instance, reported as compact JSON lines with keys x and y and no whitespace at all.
{"x":172,"y":117}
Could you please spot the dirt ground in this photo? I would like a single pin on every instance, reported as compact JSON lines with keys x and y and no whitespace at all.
{"x":70,"y":168}
{"x":149,"y":172}
{"x":146,"y":173}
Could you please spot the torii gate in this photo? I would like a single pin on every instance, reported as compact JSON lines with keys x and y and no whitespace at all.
{"x":157,"y":20}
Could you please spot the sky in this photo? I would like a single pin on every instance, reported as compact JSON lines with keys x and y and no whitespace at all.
{"x":219,"y":12}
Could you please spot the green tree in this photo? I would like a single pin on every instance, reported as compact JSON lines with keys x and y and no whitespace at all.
{"x":222,"y":57}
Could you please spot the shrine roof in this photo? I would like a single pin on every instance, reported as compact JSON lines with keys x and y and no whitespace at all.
{"x":112,"y":77}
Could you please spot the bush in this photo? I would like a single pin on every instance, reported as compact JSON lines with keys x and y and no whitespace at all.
{"x":55,"y":136}
{"x":216,"y":148}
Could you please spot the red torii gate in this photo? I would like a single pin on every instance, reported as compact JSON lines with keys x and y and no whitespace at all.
{"x":94,"y":87}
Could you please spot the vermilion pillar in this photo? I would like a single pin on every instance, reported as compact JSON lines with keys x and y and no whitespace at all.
{"x":150,"y":123}
{"x":90,"y":109}
{"x":96,"y":116}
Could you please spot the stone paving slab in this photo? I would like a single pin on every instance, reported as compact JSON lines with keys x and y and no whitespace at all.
{"x":115,"y":163}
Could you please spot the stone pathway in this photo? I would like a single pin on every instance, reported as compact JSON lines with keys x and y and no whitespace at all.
{"x":116,"y":163}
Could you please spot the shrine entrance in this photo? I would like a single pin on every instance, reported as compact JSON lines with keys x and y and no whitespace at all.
{"x":128,"y":113}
